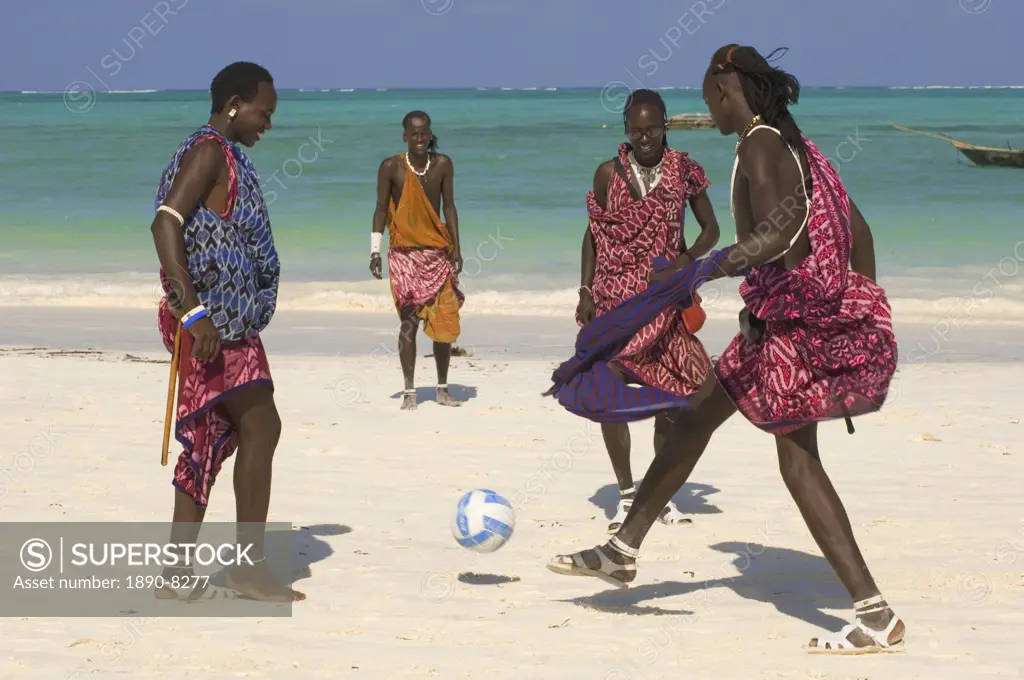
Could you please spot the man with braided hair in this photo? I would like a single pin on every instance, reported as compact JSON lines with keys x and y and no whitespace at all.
{"x":636,"y":210}
{"x":815,"y":341}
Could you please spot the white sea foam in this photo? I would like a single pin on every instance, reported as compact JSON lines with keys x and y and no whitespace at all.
{"x":920,"y":298}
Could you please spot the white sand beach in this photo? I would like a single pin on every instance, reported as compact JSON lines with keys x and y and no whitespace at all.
{"x":932,"y":485}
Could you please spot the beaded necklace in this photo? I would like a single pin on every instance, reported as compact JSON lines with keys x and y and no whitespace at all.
{"x":422,"y":173}
{"x":648,"y":176}
{"x":750,"y":126}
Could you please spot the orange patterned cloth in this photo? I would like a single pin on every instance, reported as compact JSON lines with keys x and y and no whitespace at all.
{"x":419,"y":263}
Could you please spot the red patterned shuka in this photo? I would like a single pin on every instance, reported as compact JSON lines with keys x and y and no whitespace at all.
{"x":202,"y":425}
{"x":628,"y":235}
{"x":828,"y":349}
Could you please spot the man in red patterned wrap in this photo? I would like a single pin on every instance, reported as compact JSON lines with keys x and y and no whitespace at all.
{"x":637,"y":209}
{"x":815,"y":342}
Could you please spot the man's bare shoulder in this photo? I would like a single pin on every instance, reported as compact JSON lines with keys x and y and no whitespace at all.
{"x":205,"y":160}
{"x":760,"y":149}
{"x":603,"y":174}
{"x":205,"y":152}
{"x":443,"y":160}
{"x":390,"y":163}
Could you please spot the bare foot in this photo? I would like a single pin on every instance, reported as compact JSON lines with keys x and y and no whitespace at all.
{"x":183,"y":584}
{"x":258,"y":583}
{"x":165,"y":593}
{"x":409,"y":401}
{"x":177,"y":581}
{"x":444,"y":398}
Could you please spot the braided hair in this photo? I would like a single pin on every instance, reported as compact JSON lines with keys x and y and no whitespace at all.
{"x":432,"y":147}
{"x":650,"y":98}
{"x":769,"y":91}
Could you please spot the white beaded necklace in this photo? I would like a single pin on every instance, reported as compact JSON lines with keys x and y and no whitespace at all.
{"x":649,"y":177}
{"x":417,"y":172}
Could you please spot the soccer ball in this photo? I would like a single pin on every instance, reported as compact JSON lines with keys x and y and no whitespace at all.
{"x":483,"y":521}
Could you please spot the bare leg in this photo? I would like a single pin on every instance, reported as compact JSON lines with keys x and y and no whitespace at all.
{"x":617,"y":442}
{"x":186,"y":524}
{"x":683,"y":447}
{"x":442,"y":357}
{"x":618,"y":445}
{"x":662,"y":426}
{"x":254,"y":416}
{"x":823,"y":511}
{"x":407,"y":355}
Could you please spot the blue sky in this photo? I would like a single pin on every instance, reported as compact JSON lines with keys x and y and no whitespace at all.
{"x":181,"y":44}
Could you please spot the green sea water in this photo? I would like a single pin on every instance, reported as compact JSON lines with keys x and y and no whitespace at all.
{"x":79,"y":175}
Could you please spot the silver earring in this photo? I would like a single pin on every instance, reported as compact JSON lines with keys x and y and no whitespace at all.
{"x":232,"y":113}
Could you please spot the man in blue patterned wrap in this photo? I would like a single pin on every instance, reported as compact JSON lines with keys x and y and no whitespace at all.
{"x":220,"y":273}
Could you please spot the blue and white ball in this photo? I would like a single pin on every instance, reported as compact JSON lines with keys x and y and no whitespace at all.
{"x":483,"y":521}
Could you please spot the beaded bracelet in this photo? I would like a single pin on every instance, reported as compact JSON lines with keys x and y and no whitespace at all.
{"x":194,"y":315}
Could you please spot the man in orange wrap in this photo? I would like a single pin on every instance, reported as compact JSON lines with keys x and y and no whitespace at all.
{"x":424,"y":257}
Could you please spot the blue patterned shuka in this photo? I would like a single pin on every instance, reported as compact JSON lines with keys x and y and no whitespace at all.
{"x":232,"y":260}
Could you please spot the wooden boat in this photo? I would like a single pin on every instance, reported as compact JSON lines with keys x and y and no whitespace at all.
{"x":691,"y":121}
{"x":979,"y":155}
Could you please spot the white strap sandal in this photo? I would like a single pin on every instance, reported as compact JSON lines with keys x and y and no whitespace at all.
{"x":838,"y":643}
{"x":620,"y":515}
{"x":624,"y":505}
{"x":672,"y":515}
{"x":200,"y":593}
{"x":574,"y":565}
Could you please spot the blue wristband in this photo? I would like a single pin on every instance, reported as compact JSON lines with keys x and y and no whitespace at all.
{"x":198,"y":315}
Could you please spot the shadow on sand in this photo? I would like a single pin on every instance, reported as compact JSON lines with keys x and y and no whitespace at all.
{"x":691,"y":499}
{"x":290,"y":553}
{"x":796,"y":583}
{"x":423,"y":394}
{"x":486,"y":579}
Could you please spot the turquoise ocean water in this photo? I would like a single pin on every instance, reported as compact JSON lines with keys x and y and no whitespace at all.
{"x":79,"y":178}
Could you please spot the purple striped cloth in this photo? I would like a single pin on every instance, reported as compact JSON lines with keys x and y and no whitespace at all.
{"x":587,"y":386}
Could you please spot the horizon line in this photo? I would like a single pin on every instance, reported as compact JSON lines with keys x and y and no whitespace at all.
{"x":507,"y":88}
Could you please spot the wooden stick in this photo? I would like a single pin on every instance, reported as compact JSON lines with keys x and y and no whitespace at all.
{"x":926,"y":134}
{"x":957,"y":143}
{"x":172,"y":383}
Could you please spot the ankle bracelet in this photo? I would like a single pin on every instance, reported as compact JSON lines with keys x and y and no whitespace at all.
{"x":623,"y":549}
{"x":181,"y":561}
{"x":872,"y":605}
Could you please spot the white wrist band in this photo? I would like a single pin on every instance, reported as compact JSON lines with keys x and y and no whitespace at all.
{"x":192,"y":313}
{"x":375,"y":239}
